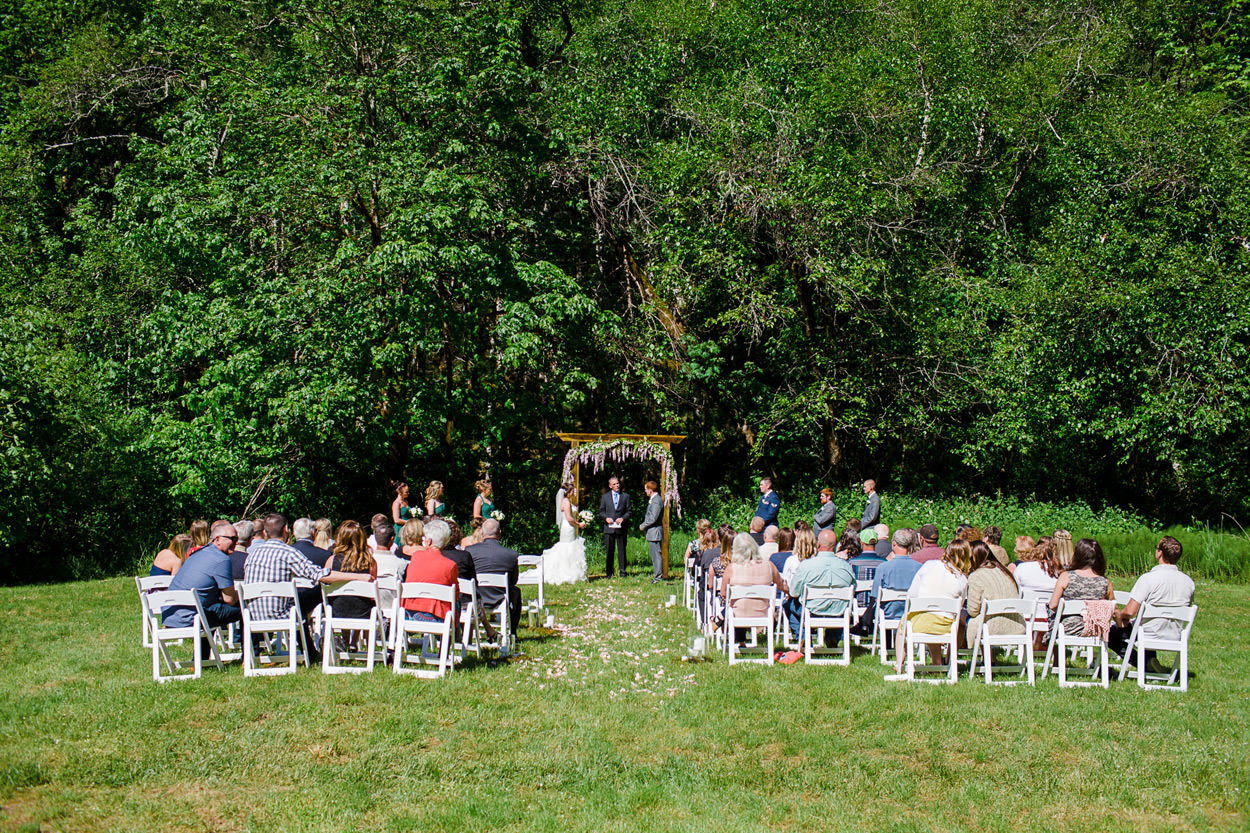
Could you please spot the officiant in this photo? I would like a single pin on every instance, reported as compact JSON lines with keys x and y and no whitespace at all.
{"x":614,"y":509}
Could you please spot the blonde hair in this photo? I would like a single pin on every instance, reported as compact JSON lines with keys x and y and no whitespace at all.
{"x":745,"y":549}
{"x":434,"y":490}
{"x":199,"y":533}
{"x":804,"y":544}
{"x":959,"y":555}
{"x":323,"y":538}
{"x":1064,"y":549}
{"x":482,"y":485}
{"x":412,"y":532}
{"x":1024,"y":545}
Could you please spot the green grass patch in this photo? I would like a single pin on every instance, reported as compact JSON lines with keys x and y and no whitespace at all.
{"x":598,"y":726}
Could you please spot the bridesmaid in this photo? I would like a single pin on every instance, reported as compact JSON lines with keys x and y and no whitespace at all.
{"x":434,"y":504}
{"x":401,"y":512}
{"x":483,"y":505}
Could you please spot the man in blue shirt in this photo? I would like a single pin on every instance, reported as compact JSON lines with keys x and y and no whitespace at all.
{"x":770,"y":503}
{"x":897,"y":572}
{"x":207,"y":571}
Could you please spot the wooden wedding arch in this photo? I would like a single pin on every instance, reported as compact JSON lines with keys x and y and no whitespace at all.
{"x":668,"y":481}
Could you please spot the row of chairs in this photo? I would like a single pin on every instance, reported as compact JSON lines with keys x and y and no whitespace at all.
{"x":766,"y":631}
{"x":343,"y":639}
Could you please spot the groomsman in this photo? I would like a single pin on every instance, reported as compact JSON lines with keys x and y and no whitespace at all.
{"x":827,"y":515}
{"x":614,"y":509}
{"x":872,"y":506}
{"x":652,"y":525}
{"x":770,"y":503}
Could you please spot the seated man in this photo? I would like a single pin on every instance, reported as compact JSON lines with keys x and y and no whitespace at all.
{"x":896,"y":573}
{"x":866,"y":563}
{"x":1165,"y":585}
{"x":824,"y":569}
{"x":207,"y":571}
{"x":276,"y":560}
{"x":430,"y":566}
{"x":929,"y":549}
{"x":490,"y":556}
{"x":882,"y":547}
{"x":771,"y":533}
{"x":757,"y":530}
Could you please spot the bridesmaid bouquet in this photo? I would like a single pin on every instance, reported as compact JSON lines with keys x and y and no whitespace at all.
{"x":497,"y":514}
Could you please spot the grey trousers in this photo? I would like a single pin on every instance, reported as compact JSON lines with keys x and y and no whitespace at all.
{"x":657,"y":558}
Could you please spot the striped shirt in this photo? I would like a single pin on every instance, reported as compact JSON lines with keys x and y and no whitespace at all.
{"x":276,"y":561}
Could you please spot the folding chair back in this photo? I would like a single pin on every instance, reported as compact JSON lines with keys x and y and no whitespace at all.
{"x":530,"y":573}
{"x":1178,"y":678}
{"x":443,"y":630}
{"x":986,"y":641}
{"x":470,"y":619}
{"x":368,"y":628}
{"x":766,"y":593}
{"x":154,"y":603}
{"x":288,"y":627}
{"x":498,"y":616}
{"x":948,"y":639}
{"x":145,"y":585}
{"x":883,"y":625}
{"x":386,"y":589}
{"x":1063,"y":641}
{"x":813,"y":623}
{"x":1037,"y":622}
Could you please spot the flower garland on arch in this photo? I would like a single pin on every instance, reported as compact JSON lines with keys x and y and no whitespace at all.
{"x":596,"y":454}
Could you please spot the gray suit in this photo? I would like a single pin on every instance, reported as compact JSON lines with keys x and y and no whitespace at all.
{"x":826,"y":517}
{"x":872,"y":511}
{"x":653,"y":526}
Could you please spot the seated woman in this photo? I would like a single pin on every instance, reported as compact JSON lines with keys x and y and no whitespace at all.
{"x":168,"y":560}
{"x":747,"y":567}
{"x":945,"y":578}
{"x":323,"y":535}
{"x":712,"y":559}
{"x":1063,"y":548}
{"x":1039,"y":571}
{"x":804,"y":548}
{"x":1085,"y":580}
{"x":199,"y":535}
{"x":1024,"y":545}
{"x":703,"y":535}
{"x":411,"y":534}
{"x":352,"y":555}
{"x":989,"y":580}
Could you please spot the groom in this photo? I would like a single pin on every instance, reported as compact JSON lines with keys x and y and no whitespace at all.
{"x":614,"y":509}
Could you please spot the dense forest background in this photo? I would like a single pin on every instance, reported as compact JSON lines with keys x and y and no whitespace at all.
{"x":274,"y":254}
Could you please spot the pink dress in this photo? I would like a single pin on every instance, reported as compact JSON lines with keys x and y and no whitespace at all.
{"x":752,"y":572}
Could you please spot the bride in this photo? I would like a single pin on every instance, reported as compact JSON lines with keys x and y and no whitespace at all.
{"x":565,"y":563}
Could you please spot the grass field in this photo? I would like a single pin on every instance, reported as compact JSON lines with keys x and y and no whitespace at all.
{"x":599,"y":726}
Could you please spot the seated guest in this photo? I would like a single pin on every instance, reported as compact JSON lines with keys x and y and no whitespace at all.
{"x":168,"y":560}
{"x":1084,"y":580}
{"x":351,"y":555}
{"x":428,"y":565}
{"x":712,"y":562}
{"x":769,"y":546}
{"x":324,"y":536}
{"x":1165,"y":586}
{"x":989,"y":580}
{"x":380,"y":520}
{"x":882,"y":548}
{"x":490,"y":556}
{"x":865,"y":563}
{"x":946,"y":578}
{"x":389,"y":565}
{"x":475,"y":534}
{"x":992,"y":535}
{"x":246,"y":529}
{"x":804,"y":548}
{"x":895,"y":574}
{"x":1024,"y":545}
{"x":207,"y":572}
{"x":785,"y":549}
{"x":757,"y":530}
{"x":824,"y":569}
{"x":969,"y":533}
{"x":1063,"y":548}
{"x":411,"y":537}
{"x":1039,"y":571}
{"x":276,"y":560}
{"x":199,"y":535}
{"x":703,"y":537}
{"x":853,"y":525}
{"x":304,"y":530}
{"x":929,"y":549}
{"x":460,"y":556}
{"x":748,"y":567}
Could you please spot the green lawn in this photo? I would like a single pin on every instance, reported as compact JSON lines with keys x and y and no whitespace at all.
{"x":598,"y":727}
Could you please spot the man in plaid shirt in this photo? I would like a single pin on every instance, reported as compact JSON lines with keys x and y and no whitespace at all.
{"x":276,"y":560}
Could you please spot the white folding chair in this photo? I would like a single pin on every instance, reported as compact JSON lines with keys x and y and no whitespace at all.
{"x":1037,"y":623}
{"x":145,"y":585}
{"x":367,"y":628}
{"x":470,"y":620}
{"x":1122,"y":597}
{"x":883,"y":625}
{"x":949,"y":639}
{"x":1061,"y":640}
{"x":813,"y":624}
{"x":386,"y":589}
{"x":497,"y":616}
{"x":288,"y":627}
{"x":761,"y":592}
{"x":715,"y":610}
{"x":155,"y":602}
{"x":986,"y":641}
{"x":860,"y":605}
{"x":1178,"y":678}
{"x":530,"y":573}
{"x":688,"y":583}
{"x":443,"y":630}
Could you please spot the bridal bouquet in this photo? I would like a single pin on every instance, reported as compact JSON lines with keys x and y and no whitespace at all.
{"x":497,"y":514}
{"x":585,"y":516}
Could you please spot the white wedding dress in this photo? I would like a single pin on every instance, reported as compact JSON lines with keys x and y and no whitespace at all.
{"x":565,"y":563}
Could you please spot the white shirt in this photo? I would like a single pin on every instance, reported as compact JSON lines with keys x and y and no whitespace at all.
{"x":935,"y":580}
{"x":1031,"y":575}
{"x":1166,"y":586}
{"x":767,"y":549}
